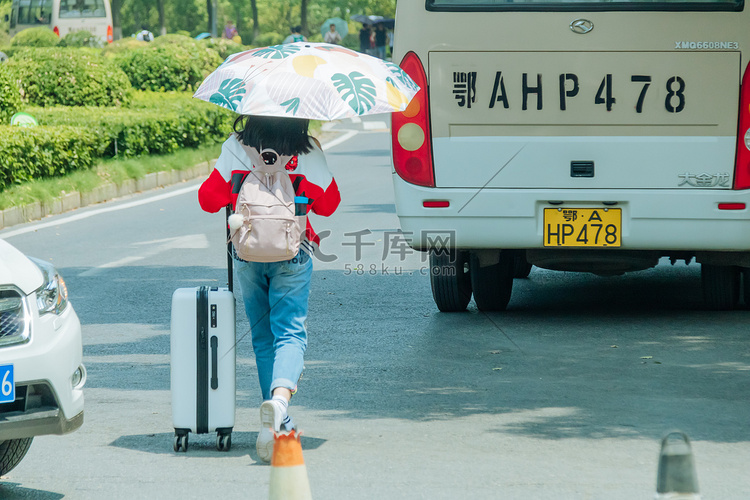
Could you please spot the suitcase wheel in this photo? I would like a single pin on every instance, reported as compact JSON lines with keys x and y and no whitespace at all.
{"x":223,"y":441}
{"x":180,"y":442}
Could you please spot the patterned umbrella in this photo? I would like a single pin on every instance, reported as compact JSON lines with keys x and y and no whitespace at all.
{"x":318,"y":81}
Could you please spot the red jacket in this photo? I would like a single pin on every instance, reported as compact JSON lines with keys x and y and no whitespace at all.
{"x":308,"y":173}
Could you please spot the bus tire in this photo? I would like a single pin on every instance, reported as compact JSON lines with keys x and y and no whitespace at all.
{"x":450,"y":279}
{"x":746,"y":285}
{"x":492,"y":285}
{"x":721,"y":286}
{"x":521,"y":267}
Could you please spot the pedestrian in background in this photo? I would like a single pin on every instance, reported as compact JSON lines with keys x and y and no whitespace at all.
{"x":364,"y":39}
{"x":230,"y":31}
{"x":296,"y":35}
{"x":380,"y":39}
{"x":144,"y":35}
{"x":332,"y":36}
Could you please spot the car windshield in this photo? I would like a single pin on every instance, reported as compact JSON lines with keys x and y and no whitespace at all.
{"x":580,"y":5}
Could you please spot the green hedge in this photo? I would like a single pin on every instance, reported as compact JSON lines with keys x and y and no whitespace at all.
{"x":10,"y":96}
{"x":162,"y":68}
{"x":207,"y":57}
{"x":35,"y":37}
{"x":155,"y":123}
{"x":68,"y":77}
{"x":223,"y":47}
{"x":123,"y":45}
{"x":32,"y":153}
{"x":266,"y":39}
{"x":81,"y":39}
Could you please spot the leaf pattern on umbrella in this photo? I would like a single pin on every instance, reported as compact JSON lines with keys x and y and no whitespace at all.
{"x":356,"y":90}
{"x":230,"y":93}
{"x":277,"y":52}
{"x":292,"y":105}
{"x":402,"y":76}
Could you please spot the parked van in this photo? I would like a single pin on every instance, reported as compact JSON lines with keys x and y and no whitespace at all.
{"x":574,"y":135}
{"x":63,"y":16}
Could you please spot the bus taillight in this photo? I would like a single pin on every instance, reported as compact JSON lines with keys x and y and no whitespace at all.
{"x":742,"y":168}
{"x":109,"y":34}
{"x":410,"y":131}
{"x":56,"y":30}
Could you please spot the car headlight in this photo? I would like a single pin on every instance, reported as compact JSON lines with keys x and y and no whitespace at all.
{"x":53,"y":294}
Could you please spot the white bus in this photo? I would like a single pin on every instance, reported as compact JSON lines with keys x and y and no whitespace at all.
{"x":574,"y":135}
{"x":63,"y":16}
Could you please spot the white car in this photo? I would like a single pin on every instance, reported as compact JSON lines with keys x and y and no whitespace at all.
{"x":41,"y":369}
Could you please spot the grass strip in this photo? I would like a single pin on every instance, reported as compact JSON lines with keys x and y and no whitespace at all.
{"x":109,"y":170}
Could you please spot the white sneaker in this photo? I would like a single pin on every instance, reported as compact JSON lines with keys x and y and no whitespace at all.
{"x":271,"y":416}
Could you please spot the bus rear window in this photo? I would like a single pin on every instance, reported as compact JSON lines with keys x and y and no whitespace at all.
{"x":584,"y":5}
{"x":82,"y":8}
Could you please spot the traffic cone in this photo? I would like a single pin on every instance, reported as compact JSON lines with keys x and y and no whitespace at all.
{"x":288,"y":472}
{"x":676,"y":478}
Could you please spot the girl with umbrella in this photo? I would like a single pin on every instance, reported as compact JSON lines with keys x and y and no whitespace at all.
{"x":275,"y":294}
{"x":276,"y":90}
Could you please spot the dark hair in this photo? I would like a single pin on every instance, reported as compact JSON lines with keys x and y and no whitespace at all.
{"x":286,"y":136}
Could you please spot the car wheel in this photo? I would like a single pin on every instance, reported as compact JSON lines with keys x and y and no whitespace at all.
{"x":493,"y":284}
{"x":721,"y":286}
{"x":450,"y":279}
{"x":12,"y":452}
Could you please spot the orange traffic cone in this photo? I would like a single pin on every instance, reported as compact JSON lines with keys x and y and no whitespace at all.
{"x":288,"y":472}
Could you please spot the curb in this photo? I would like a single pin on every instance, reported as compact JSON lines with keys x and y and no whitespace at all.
{"x":106,"y":192}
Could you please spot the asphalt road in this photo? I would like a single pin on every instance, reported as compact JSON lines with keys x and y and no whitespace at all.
{"x":566,"y":395}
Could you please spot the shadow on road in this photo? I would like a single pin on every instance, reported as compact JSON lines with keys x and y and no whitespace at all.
{"x":201,"y":445}
{"x":14,"y":491}
{"x":573,"y":356}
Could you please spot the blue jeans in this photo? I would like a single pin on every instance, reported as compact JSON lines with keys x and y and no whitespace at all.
{"x":276,"y":297}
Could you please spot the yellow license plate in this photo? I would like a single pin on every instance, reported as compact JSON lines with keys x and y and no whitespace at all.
{"x":582,"y":227}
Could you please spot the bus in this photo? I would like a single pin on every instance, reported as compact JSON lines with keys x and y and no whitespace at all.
{"x":63,"y":17}
{"x":600,"y":136}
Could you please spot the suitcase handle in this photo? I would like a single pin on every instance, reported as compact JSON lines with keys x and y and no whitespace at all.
{"x":230,"y":281}
{"x":214,"y":362}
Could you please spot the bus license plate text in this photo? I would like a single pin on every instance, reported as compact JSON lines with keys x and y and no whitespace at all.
{"x":582,"y":227}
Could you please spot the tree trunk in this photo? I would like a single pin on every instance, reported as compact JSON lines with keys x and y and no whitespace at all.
{"x":210,"y":7}
{"x":256,"y":26}
{"x":303,"y":17}
{"x":116,"y":5}
{"x":162,"y":27}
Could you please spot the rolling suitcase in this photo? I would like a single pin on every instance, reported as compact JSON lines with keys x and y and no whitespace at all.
{"x":203,"y":361}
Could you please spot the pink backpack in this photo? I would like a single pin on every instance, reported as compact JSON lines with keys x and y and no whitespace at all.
{"x":265,"y":226}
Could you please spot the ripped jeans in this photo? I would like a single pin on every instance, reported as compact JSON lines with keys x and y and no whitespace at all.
{"x":276,"y":298}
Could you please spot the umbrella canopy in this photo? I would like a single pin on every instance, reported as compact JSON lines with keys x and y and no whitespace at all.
{"x":341,"y":26}
{"x":318,"y":81}
{"x":372,"y":20}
